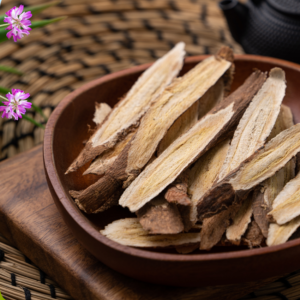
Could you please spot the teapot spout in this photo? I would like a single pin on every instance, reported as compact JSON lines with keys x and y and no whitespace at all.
{"x":236,"y":15}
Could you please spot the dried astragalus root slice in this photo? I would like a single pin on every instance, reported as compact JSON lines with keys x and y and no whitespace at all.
{"x":260,"y":211}
{"x":202,"y":176}
{"x":180,"y":126}
{"x":190,"y":146}
{"x":177,"y":191}
{"x":211,"y":98}
{"x":240,"y":222}
{"x":104,"y":161}
{"x":275,"y":184}
{"x":129,"y":232}
{"x":254,"y":170}
{"x":286,"y":206}
{"x":264,"y":196}
{"x":257,"y":122}
{"x":127,"y":113}
{"x":160,"y":217}
{"x":102,"y":110}
{"x":279,"y":234}
{"x":175,"y":100}
{"x":253,"y":129}
{"x":167,"y":108}
{"x":213,"y":228}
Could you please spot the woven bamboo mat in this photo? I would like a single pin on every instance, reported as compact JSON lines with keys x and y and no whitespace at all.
{"x":97,"y":38}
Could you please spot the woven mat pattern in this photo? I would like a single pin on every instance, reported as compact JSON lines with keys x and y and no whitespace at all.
{"x":97,"y":38}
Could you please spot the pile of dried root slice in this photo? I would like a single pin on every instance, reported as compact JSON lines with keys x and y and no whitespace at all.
{"x":197,"y":164}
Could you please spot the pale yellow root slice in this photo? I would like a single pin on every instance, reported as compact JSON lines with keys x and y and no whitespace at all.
{"x":204,"y":173}
{"x":102,"y":110}
{"x":180,"y":126}
{"x":129,"y":232}
{"x":128,"y":112}
{"x":274,"y":185}
{"x":240,"y":222}
{"x":286,"y":205}
{"x":279,"y":234}
{"x":175,"y":100}
{"x":211,"y":98}
{"x":269,"y":160}
{"x":168,"y":166}
{"x":257,"y":122}
{"x":259,"y":167}
{"x":104,"y":161}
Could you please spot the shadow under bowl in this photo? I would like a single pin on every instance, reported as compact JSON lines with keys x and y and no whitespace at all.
{"x":65,"y":132}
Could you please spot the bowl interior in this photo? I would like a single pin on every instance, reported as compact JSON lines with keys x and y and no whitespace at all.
{"x":71,"y":129}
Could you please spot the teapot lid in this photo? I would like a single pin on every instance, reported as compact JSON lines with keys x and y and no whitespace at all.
{"x":287,"y":6}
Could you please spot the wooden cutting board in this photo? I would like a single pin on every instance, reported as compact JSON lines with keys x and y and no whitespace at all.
{"x":30,"y":220}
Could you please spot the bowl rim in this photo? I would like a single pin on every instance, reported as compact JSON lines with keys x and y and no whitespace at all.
{"x":84,"y":223}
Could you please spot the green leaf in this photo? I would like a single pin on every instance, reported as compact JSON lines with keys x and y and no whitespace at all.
{"x":35,"y":24}
{"x":10,"y":70}
{"x":33,"y":122}
{"x":34,"y":9}
{"x":4,"y":91}
{"x":42,"y":23}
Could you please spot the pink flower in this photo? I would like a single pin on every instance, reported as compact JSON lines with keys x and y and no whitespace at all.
{"x":18,"y":22}
{"x":16,"y":104}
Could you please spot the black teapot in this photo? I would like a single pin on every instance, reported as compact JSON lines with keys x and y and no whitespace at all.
{"x":265,"y":27}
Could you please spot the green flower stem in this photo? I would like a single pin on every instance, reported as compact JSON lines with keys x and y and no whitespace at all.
{"x":4,"y":25}
{"x":33,"y":121}
{"x":10,"y":70}
{"x":4,"y":90}
{"x":39,"y":110}
{"x":3,"y":98}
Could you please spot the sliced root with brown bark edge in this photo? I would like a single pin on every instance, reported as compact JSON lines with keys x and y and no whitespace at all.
{"x":201,"y":178}
{"x":264,"y":196}
{"x":174,"y":101}
{"x":259,"y":167}
{"x":286,"y":206}
{"x":275,"y":184}
{"x":253,"y":236}
{"x":213,"y":228}
{"x":128,"y":112}
{"x":240,"y":221}
{"x":129,"y":232}
{"x":190,"y":146}
{"x":160,"y":217}
{"x":279,"y":234}
{"x":257,"y":122}
{"x":254,"y":128}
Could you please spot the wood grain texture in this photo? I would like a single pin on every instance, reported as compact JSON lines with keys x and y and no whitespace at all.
{"x":31,"y":221}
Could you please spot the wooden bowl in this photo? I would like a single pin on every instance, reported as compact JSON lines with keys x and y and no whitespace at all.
{"x":67,"y":129}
